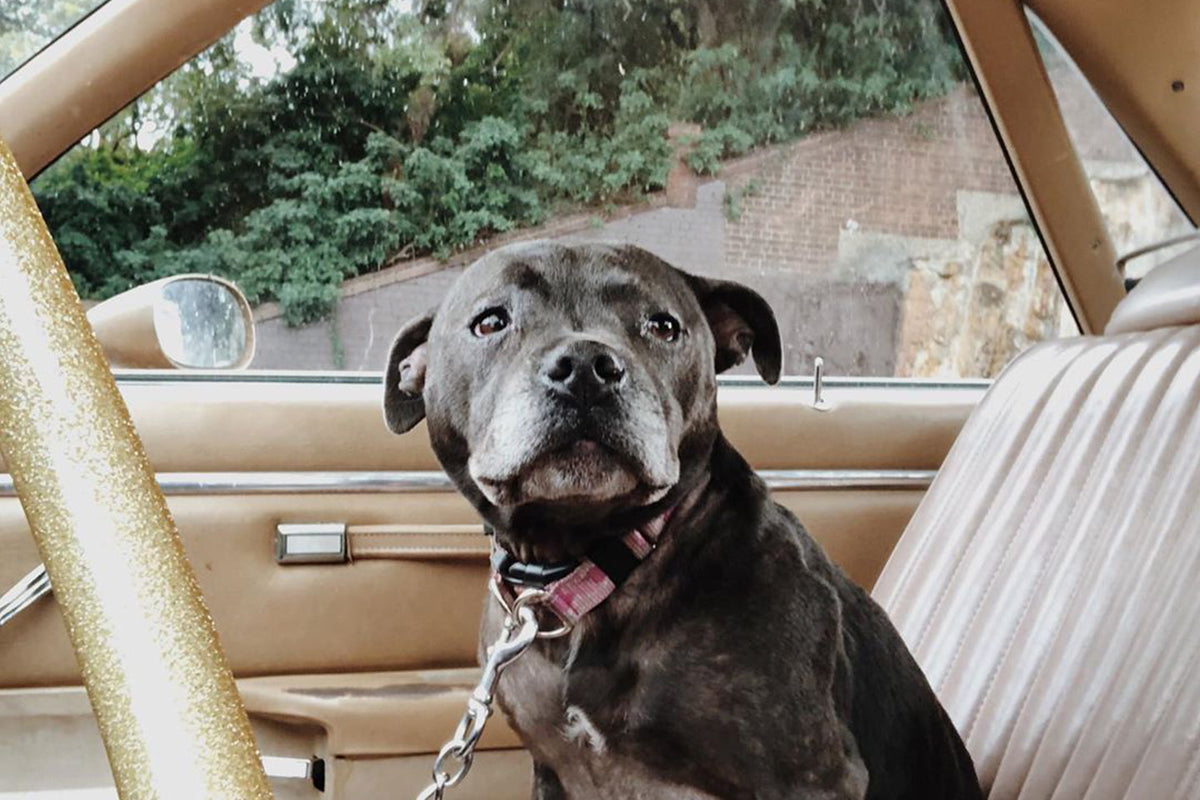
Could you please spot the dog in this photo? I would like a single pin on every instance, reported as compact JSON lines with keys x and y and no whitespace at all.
{"x":570,"y":394}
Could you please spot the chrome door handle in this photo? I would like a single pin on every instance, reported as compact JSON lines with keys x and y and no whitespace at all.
{"x":27,"y":591}
{"x":311,"y":543}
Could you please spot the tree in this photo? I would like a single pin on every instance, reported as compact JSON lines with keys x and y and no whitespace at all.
{"x":25,"y":27}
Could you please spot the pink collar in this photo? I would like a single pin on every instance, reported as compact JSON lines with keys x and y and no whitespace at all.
{"x":607,"y":566}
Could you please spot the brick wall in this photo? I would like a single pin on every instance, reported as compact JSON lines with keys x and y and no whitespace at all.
{"x":899,"y":176}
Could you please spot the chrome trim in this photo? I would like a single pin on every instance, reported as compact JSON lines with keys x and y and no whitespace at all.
{"x":134,"y":376}
{"x":366,"y":482}
{"x":1154,"y":246}
{"x":777,"y":479}
{"x":27,"y":591}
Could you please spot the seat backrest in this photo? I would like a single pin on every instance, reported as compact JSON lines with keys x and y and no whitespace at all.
{"x":1049,"y":583}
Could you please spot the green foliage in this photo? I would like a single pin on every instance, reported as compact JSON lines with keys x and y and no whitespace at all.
{"x":625,"y":156}
{"x":732,"y":202}
{"x":397,"y":134}
{"x":454,"y":193}
{"x":830,"y":66}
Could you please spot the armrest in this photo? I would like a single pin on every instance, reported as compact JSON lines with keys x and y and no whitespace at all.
{"x":377,"y":713}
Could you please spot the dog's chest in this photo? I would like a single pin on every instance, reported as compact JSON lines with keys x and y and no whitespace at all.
{"x":584,"y":755}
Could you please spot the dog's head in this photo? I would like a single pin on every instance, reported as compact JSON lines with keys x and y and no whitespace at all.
{"x":574,"y":383}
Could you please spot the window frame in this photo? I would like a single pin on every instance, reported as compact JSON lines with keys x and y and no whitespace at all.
{"x":50,"y":42}
{"x":1012,"y":82}
{"x":372,"y":377}
{"x":103,"y":63}
{"x":1123,"y":258}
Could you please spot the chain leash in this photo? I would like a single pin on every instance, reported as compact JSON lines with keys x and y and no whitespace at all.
{"x":521,"y":629}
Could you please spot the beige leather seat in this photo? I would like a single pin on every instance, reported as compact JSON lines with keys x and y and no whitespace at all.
{"x":1049,"y":584}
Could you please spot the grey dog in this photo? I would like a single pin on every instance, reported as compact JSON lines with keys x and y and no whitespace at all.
{"x":571,"y":393}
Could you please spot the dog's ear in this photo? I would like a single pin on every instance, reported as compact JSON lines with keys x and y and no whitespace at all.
{"x":742,"y":324}
{"x":404,"y":379}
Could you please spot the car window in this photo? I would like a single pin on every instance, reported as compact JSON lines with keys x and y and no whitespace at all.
{"x":1138,"y":210}
{"x":342,"y":161}
{"x":26,"y":27}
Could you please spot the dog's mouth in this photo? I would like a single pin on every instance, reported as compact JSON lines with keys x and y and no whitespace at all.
{"x":577,"y":470}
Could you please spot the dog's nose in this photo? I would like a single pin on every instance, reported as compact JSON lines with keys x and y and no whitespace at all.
{"x":583,"y":370}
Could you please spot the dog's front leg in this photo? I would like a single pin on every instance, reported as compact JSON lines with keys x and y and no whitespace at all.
{"x":546,"y":785}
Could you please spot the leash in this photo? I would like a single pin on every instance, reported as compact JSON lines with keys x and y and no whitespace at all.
{"x":567,"y":592}
{"x":520,"y":630}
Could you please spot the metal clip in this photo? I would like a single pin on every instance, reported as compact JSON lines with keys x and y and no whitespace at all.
{"x":453,"y":761}
{"x":530,"y":597}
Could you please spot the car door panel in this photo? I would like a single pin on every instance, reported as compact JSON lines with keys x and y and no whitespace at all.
{"x":853,"y":474}
{"x":368,"y":714}
{"x":409,"y":598}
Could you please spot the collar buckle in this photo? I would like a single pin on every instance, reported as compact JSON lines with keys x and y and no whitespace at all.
{"x":519,"y":573}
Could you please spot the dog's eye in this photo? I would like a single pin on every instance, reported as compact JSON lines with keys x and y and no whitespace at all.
{"x":663,"y":326}
{"x":491,"y":321}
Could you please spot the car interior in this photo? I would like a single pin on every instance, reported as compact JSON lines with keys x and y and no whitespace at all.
{"x":1035,"y":537}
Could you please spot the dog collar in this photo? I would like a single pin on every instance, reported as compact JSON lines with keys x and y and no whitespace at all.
{"x":575,"y":588}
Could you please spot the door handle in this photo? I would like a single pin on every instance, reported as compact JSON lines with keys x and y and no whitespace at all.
{"x":311,"y":543}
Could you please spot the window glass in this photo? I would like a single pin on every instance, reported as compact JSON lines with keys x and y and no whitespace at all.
{"x":26,"y":27}
{"x":1138,"y":210}
{"x":342,"y":161}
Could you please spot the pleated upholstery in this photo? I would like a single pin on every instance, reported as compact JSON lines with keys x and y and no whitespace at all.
{"x":1049,"y":584}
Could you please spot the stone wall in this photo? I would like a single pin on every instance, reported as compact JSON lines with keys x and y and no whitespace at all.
{"x":969,"y":313}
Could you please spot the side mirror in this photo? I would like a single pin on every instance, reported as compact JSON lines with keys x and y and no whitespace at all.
{"x":181,"y":322}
